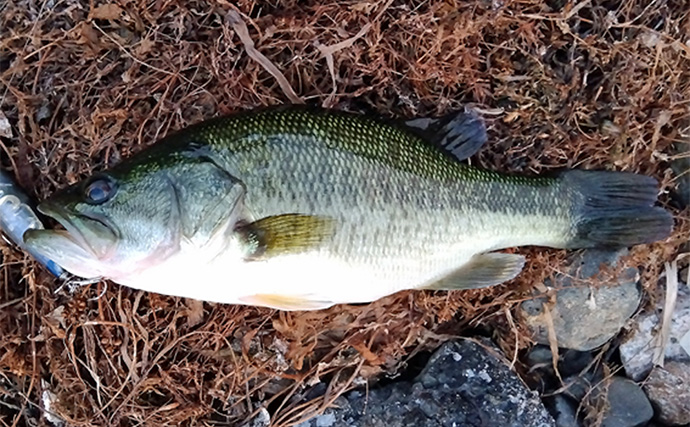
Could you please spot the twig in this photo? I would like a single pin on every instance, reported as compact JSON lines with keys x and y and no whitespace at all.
{"x":553,"y":340}
{"x":235,"y":20}
{"x":327,"y":51}
{"x":667,"y":315}
{"x":511,"y":323}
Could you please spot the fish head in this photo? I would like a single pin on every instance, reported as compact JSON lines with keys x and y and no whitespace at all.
{"x":114,"y":225}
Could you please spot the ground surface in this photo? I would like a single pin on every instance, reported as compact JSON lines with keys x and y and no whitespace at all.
{"x":600,"y":84}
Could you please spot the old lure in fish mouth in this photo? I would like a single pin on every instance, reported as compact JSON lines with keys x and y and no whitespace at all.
{"x":301,"y":208}
{"x":84,"y":243}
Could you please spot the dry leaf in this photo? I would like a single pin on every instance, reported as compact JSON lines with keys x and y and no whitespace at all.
{"x":365,"y":7}
{"x":88,"y":36}
{"x":107,"y":11}
{"x":144,"y":47}
{"x":195,"y":314}
{"x":55,"y":321}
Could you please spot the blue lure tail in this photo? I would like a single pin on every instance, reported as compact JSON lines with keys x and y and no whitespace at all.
{"x":16,"y":216}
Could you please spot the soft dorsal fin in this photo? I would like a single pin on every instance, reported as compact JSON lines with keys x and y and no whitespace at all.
{"x":482,"y":271}
{"x":284,"y":234}
{"x":460,"y":134}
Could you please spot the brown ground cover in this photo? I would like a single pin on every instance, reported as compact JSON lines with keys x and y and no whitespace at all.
{"x":597,"y":84}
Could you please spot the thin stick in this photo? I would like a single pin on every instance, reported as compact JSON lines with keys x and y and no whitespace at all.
{"x":667,"y":315}
{"x":235,"y":20}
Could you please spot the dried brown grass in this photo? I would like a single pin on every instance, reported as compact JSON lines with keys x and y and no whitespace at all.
{"x":602,"y":84}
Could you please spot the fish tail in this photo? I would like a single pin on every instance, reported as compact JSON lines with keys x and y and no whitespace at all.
{"x":615,"y":209}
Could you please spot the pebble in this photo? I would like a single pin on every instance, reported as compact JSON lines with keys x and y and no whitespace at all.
{"x":669,"y":390}
{"x":637,"y":348}
{"x":628,"y":405}
{"x":262,"y":419}
{"x":564,"y":411}
{"x":463,"y":384}
{"x":579,"y":386}
{"x":570,"y":362}
{"x":585,"y":317}
{"x":5,"y":127}
{"x":539,"y":357}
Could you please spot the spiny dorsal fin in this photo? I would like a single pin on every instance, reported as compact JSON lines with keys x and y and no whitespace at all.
{"x":482,"y":271}
{"x":460,"y":134}
{"x":284,"y":234}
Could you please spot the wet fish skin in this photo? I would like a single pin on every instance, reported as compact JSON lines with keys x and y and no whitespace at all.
{"x":190,"y":215}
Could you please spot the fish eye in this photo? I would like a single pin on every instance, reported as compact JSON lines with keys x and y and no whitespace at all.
{"x":99,"y":190}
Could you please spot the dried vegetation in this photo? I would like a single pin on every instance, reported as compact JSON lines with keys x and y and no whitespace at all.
{"x":597,"y":84}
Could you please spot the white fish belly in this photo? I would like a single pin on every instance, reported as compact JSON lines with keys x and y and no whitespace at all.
{"x":311,"y":277}
{"x":325,"y":278}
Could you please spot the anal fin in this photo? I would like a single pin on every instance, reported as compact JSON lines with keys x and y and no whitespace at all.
{"x":482,"y":271}
{"x":285,"y":302}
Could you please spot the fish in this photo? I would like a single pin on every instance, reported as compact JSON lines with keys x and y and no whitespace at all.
{"x":303,"y":208}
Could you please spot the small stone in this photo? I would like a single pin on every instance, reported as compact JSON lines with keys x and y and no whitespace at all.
{"x":637,"y":349}
{"x":573,"y":362}
{"x":564,"y":411}
{"x":325,"y":420}
{"x":586,"y":317}
{"x":49,"y":399}
{"x":577,"y":386}
{"x":628,"y":406}
{"x":44,"y":113}
{"x":262,"y":419}
{"x":5,"y":128}
{"x":669,"y":390}
{"x":540,"y":357}
{"x":685,"y":343}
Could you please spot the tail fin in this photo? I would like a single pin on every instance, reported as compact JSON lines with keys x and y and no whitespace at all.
{"x":615,"y":209}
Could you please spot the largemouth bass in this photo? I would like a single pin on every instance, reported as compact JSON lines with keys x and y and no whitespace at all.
{"x":301,"y":208}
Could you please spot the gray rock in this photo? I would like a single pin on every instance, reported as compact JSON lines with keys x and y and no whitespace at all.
{"x":669,"y":390}
{"x":573,"y":362}
{"x":262,"y":419}
{"x":564,"y":411}
{"x":628,"y":406}
{"x":463,"y":384}
{"x":540,"y":357}
{"x":578,"y":387}
{"x":585,"y":317}
{"x":637,"y":349}
{"x":570,"y":362}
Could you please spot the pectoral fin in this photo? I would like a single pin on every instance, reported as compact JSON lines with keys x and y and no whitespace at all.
{"x":284,"y":234}
{"x":285,"y":302}
{"x":482,"y":271}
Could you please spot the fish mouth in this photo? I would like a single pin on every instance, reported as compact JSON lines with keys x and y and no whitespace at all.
{"x":92,"y":233}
